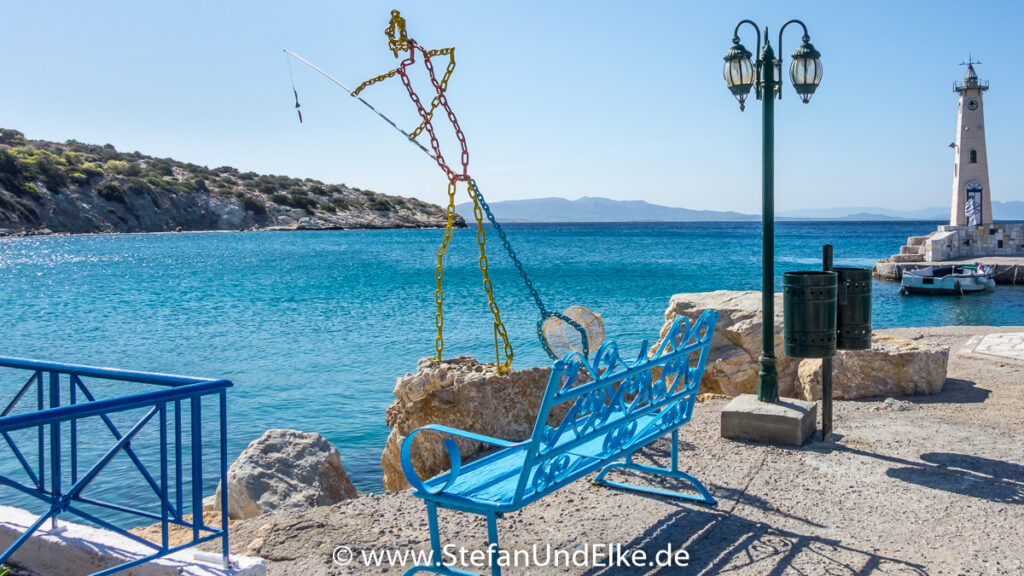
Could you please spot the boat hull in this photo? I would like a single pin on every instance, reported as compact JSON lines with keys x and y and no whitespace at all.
{"x":961,"y":281}
{"x":939,"y":291}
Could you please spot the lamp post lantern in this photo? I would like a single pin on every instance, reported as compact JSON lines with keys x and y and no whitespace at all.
{"x":740,"y":76}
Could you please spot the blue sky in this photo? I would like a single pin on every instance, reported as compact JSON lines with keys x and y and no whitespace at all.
{"x":617,"y":99}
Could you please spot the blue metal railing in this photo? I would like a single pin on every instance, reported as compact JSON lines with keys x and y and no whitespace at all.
{"x":177,"y":397}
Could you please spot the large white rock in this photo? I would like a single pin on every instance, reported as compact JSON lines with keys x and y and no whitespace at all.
{"x":892,"y":367}
{"x":461,"y":393}
{"x":285,"y":469}
{"x":733,"y":360}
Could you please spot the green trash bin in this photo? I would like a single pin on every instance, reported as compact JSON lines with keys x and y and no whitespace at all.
{"x":854,"y":309}
{"x":809,"y":313}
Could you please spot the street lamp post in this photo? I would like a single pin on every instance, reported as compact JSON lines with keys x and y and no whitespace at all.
{"x":740,"y":75}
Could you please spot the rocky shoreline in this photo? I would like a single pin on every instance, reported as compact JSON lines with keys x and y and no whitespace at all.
{"x":209,"y":213}
{"x":75,"y":188}
{"x":917,"y":485}
{"x":924,"y":475}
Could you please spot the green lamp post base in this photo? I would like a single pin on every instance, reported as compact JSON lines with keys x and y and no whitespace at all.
{"x":768,"y":380}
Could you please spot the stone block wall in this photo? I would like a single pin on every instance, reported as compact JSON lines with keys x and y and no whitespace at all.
{"x":964,"y":242}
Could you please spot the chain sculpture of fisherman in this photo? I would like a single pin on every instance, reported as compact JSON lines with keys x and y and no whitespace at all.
{"x":404,"y":47}
{"x":577,"y":329}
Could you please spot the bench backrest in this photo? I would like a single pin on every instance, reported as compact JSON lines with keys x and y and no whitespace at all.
{"x":614,"y":406}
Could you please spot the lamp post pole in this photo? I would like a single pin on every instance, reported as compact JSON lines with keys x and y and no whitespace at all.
{"x":740,"y":75}
{"x":767,"y":376}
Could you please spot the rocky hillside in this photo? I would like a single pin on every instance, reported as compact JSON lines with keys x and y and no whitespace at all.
{"x":80,"y":188}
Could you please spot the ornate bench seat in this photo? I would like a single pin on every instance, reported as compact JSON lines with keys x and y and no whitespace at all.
{"x":612,"y":408}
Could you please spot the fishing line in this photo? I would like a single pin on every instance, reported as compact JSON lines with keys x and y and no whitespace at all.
{"x":360,"y":98}
{"x":294,"y":91}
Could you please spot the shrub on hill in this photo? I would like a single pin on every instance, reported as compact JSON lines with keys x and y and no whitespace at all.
{"x":119,"y":167}
{"x":111,"y":192}
{"x":253,"y":205}
{"x":267,"y":187}
{"x":301,"y":201}
{"x":12,"y":137}
{"x":159,"y":167}
{"x":139,"y":186}
{"x":19,"y":208}
{"x":90,"y":170}
{"x":379,"y":205}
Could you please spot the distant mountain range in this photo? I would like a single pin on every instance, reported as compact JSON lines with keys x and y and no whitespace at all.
{"x":1013,"y":210}
{"x":867,"y":213}
{"x":590,"y":209}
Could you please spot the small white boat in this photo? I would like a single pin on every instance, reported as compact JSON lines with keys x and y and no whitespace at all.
{"x":948,"y":280}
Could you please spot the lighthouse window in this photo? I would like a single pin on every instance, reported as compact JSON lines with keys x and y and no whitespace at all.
{"x":974,"y":156}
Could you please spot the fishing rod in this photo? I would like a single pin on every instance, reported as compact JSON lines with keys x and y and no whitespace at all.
{"x":360,"y":98}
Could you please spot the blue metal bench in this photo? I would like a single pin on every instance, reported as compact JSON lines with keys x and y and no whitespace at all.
{"x":52,"y":469}
{"x":614,"y":408}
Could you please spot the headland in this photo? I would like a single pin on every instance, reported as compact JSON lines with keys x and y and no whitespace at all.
{"x":76,"y":188}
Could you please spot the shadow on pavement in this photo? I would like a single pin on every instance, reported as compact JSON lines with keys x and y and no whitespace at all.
{"x":719,"y":543}
{"x":984,"y":478}
{"x":992,"y":480}
{"x":955,"y":390}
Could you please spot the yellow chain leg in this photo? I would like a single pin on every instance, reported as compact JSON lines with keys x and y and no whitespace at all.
{"x":499,"y":327}
{"x":439,"y":271}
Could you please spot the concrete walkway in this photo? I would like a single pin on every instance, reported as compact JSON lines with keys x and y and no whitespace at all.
{"x":924,"y":485}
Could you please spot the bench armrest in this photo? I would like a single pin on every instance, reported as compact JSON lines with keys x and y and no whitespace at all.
{"x":454,"y":456}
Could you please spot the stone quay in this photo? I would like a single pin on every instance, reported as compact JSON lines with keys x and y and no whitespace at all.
{"x":998,"y":245}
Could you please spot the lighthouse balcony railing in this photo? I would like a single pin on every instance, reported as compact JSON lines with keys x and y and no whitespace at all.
{"x":957,"y":86}
{"x":61,"y":436}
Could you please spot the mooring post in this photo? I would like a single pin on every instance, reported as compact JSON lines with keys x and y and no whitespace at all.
{"x":826,"y":363}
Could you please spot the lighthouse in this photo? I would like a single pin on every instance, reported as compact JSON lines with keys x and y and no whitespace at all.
{"x":972,"y":202}
{"x":970,"y":234}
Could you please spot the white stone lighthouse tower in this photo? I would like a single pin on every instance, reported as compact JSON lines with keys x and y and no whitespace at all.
{"x":970,"y":233}
{"x":972,"y":202}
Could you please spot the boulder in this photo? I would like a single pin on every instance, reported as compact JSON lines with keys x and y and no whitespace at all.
{"x":285,"y":469}
{"x":734,"y":357}
{"x":892,"y":367}
{"x":461,"y":393}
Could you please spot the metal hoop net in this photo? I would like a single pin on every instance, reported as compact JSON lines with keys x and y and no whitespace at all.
{"x":561,"y":337}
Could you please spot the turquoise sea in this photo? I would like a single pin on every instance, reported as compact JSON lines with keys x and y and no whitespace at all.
{"x":314,"y":327}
